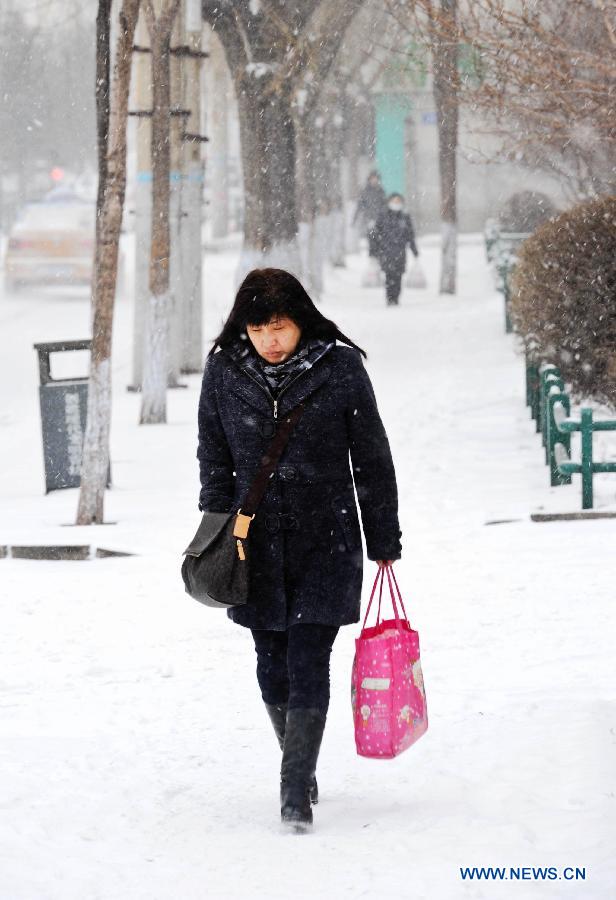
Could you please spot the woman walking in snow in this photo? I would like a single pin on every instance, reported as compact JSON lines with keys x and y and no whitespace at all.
{"x":393,"y":233}
{"x":275,"y":351}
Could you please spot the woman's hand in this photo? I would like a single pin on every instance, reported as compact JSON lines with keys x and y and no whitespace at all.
{"x":382,"y":563}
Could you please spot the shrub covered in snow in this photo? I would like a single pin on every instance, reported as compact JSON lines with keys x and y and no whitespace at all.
{"x":525,"y":211}
{"x":564,"y":296}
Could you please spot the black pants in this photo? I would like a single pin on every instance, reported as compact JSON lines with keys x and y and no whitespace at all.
{"x":393,"y":284}
{"x":293,"y":665}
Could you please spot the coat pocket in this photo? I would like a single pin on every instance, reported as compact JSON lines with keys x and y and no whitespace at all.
{"x":345,"y":512}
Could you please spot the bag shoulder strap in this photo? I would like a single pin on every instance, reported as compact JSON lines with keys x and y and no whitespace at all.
{"x":270,"y":460}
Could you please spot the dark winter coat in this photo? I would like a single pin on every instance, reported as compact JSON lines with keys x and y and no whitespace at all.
{"x":305,"y":540}
{"x":393,"y":233}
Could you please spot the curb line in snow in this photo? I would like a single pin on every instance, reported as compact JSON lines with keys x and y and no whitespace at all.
{"x":571,"y":517}
{"x":59,"y":552}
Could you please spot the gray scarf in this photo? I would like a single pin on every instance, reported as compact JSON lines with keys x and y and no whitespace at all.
{"x":276,"y":377}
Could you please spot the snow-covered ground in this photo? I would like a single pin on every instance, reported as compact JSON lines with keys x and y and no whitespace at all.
{"x":136,"y":760}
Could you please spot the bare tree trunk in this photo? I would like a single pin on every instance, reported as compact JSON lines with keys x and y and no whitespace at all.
{"x":218,"y":133}
{"x":445,"y":55}
{"x":177,"y":269}
{"x":192,"y":205}
{"x":318,"y":191}
{"x":112,"y":115}
{"x":156,"y":352}
{"x":101,"y":92}
{"x":352,"y":139}
{"x":335,"y":149}
{"x":305,"y":193}
{"x":275,"y":52}
{"x":268,"y":161}
{"x":321,"y":236}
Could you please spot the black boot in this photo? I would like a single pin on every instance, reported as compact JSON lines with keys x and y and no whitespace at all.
{"x":278,"y":716}
{"x":302,"y":742}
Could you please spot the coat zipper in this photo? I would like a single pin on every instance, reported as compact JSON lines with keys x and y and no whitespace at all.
{"x":267,"y":393}
{"x":293,"y":380}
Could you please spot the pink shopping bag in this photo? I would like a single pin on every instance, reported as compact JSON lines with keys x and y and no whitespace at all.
{"x":387,"y":689}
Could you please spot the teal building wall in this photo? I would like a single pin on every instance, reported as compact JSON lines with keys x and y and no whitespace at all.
{"x":391,"y":111}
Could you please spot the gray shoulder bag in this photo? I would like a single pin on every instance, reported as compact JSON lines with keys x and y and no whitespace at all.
{"x":216,"y":562}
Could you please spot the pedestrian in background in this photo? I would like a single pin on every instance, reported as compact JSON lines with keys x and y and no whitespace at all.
{"x":393,"y":233}
{"x":370,"y":205}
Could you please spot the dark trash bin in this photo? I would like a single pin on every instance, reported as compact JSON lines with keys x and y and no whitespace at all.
{"x":64,"y":403}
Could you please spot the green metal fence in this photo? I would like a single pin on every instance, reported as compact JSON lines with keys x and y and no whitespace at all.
{"x":550,"y":407}
{"x":501,"y":251}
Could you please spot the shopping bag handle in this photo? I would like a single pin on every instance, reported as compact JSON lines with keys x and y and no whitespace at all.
{"x":380,"y":575}
{"x":378,"y":612}
{"x":391,"y":574}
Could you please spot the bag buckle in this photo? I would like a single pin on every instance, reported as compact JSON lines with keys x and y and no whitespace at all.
{"x":242,"y":524}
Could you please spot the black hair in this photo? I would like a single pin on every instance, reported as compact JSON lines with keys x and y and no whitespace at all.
{"x":394,"y":195}
{"x":268,"y":293}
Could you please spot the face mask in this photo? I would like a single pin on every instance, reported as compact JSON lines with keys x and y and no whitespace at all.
{"x":395,"y":205}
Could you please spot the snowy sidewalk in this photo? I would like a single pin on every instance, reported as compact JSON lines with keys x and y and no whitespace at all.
{"x":136,"y":759}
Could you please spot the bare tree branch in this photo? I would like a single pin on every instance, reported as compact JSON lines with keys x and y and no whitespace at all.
{"x":544,"y":78}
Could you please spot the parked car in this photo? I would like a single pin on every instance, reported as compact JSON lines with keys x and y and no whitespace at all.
{"x":52,"y":242}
